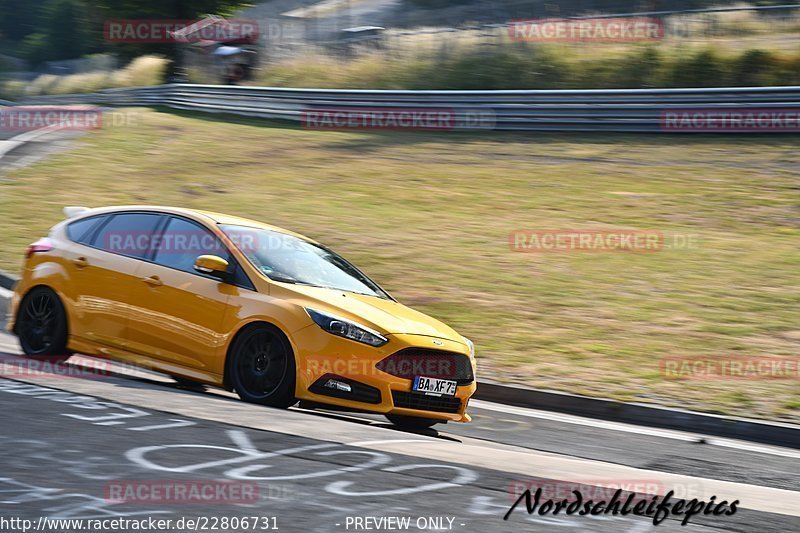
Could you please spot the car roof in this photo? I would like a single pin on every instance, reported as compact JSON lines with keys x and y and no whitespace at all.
{"x":218,"y":218}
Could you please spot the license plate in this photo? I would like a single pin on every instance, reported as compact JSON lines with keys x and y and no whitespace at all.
{"x":433,"y":386}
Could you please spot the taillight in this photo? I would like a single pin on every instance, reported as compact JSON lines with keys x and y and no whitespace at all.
{"x":42,"y":245}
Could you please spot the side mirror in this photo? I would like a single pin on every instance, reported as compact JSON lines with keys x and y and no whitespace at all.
{"x":212,"y":265}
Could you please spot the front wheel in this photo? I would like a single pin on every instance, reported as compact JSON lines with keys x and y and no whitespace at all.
{"x":412,"y":422}
{"x":42,"y":325}
{"x":262,"y":367}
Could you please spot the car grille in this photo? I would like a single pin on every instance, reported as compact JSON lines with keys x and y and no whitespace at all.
{"x":424,"y":402}
{"x":412,"y":362}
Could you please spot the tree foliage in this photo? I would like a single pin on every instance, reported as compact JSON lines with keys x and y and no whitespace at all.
{"x":44,"y":30}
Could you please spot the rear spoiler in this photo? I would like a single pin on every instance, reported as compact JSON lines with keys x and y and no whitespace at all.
{"x":71,"y":211}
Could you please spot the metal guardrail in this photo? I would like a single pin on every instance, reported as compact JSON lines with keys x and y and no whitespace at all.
{"x":662,"y":13}
{"x":709,"y":10}
{"x":616,"y":110}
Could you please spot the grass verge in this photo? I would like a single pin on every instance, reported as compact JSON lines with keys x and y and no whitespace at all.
{"x":429,"y":215}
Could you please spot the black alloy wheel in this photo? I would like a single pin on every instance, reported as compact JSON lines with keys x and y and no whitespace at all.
{"x":42,"y":325}
{"x":262,"y":367}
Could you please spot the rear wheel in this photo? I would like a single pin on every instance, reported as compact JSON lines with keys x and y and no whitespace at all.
{"x":412,"y":422}
{"x":262,"y":368}
{"x":42,"y":325}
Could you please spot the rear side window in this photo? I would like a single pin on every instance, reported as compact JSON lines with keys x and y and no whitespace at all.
{"x":81,"y":230}
{"x":129,"y":234}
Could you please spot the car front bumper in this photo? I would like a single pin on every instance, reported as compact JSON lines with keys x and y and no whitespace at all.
{"x":321,"y":356}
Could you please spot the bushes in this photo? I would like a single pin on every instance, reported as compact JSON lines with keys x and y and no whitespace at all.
{"x":529,"y":66}
{"x":641,"y":69}
{"x":12,"y":89}
{"x":701,"y":69}
{"x":142,"y":71}
{"x":61,"y":32}
{"x":475,"y":67}
{"x":755,"y":67}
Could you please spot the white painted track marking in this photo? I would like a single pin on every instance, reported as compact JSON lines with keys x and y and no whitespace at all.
{"x":639,"y":430}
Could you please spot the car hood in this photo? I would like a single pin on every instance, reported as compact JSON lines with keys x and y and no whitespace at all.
{"x":385,"y":316}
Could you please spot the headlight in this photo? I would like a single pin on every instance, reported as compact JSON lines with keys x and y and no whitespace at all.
{"x":345,"y":328}
{"x":471,"y":347}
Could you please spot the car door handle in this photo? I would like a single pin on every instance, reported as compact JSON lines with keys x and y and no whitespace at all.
{"x":80,"y":262}
{"x":153,"y":281}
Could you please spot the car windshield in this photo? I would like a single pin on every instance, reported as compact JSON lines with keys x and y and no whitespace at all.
{"x":290,"y":259}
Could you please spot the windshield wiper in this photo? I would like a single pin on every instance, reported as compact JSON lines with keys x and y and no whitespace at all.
{"x":284,"y":278}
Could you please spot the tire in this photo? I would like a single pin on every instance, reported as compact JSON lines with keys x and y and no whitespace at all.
{"x":412,"y":422}
{"x":41,"y":325}
{"x":261,"y":367}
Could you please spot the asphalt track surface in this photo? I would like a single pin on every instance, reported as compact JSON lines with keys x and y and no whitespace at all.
{"x":67,"y":439}
{"x":34,"y":150}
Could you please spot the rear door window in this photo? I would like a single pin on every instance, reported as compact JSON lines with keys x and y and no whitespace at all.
{"x":182,"y":242}
{"x":129,"y":234}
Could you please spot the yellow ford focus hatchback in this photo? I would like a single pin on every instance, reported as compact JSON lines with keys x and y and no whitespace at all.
{"x":230,"y":302}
